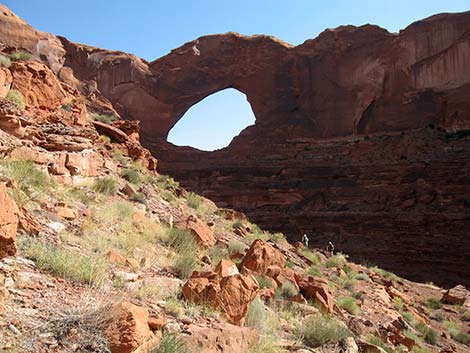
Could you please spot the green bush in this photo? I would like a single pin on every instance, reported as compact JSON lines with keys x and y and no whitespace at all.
{"x":287,"y":290}
{"x":315,"y":257}
{"x":237,"y":224}
{"x":31,"y":181}
{"x":264,"y":282}
{"x":5,"y":61}
{"x":456,"y":333}
{"x":65,"y":263}
{"x":185,"y":247}
{"x":349,"y":304}
{"x":138,"y":197}
{"x":386,"y":274}
{"x":131,"y":175}
{"x":171,"y":343}
{"x":362,"y":277}
{"x":277,"y":237}
{"x":256,"y":315}
{"x":235,"y":247}
{"x":266,"y":344}
{"x":16,"y":97}
{"x":20,"y":55}
{"x":107,"y":119}
{"x":338,"y":260}
{"x":194,"y":200}
{"x":398,"y":303}
{"x":67,"y":107}
{"x":106,"y":186}
{"x":314,"y":271}
{"x":433,"y":303}
{"x":320,"y":330}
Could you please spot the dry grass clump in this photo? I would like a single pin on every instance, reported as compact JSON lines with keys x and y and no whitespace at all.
{"x":349,"y":304}
{"x":64,"y":263}
{"x":106,"y":186}
{"x":320,"y":330}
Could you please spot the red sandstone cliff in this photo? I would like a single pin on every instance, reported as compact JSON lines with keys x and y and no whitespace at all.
{"x":400,"y":198}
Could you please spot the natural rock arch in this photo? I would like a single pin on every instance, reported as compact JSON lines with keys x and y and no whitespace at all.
{"x":212,"y":123}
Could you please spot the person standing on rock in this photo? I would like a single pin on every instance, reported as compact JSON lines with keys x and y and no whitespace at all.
{"x":330,"y":248}
{"x":305,"y":240}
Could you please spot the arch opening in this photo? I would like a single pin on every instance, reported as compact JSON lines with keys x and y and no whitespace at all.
{"x":213,"y":122}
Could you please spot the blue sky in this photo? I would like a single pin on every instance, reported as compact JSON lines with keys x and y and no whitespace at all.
{"x":151,"y":29}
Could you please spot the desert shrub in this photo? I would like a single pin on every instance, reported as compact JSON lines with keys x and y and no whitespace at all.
{"x":20,"y":55}
{"x":81,"y":325}
{"x":348,"y":281}
{"x":106,"y":186}
{"x":398,"y":303}
{"x":408,"y":316}
{"x":217,"y":253}
{"x":105,"y":139}
{"x":429,"y":335}
{"x":315,"y":257}
{"x":5,"y":61}
{"x":362,"y":277}
{"x":131,"y":175}
{"x":194,"y":200}
{"x":67,"y":107}
{"x":358,"y":295}
{"x":185,"y":263}
{"x":16,"y":97}
{"x":456,"y":333}
{"x":237,"y":224}
{"x":31,"y":181}
{"x":286,"y":291}
{"x":277,"y":237}
{"x":185,"y":247}
{"x":149,"y":291}
{"x":338,"y":260}
{"x":117,"y":155}
{"x":320,"y":330}
{"x":264,"y":282}
{"x":171,"y":343}
{"x":412,"y":335}
{"x":65,"y":263}
{"x":266,"y":344}
{"x":235,"y":247}
{"x":256,"y":315}
{"x":138,"y":197}
{"x":377,"y":341}
{"x":466,"y":315}
{"x":384,"y":273}
{"x":313,"y":271}
{"x":433,"y":303}
{"x":165,"y":182}
{"x":349,"y":304}
{"x":107,"y":119}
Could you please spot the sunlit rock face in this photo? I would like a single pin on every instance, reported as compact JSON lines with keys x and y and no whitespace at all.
{"x":355,"y":137}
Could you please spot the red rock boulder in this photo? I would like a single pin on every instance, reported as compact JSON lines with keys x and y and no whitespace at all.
{"x":202,"y":233}
{"x":316,"y":289}
{"x":225,"y":289}
{"x":128,"y":329}
{"x":8,"y":223}
{"x":261,"y":255}
{"x":457,"y":295}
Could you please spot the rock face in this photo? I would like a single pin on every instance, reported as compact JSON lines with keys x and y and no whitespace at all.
{"x":361,"y":136}
{"x":8,"y":223}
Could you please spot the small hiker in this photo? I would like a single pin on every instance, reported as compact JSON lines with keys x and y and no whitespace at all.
{"x":305,"y":240}
{"x":330,"y":248}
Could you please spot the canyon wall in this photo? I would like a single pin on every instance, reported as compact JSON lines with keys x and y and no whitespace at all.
{"x":360,"y":135}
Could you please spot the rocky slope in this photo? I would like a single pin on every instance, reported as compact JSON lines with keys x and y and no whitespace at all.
{"x":100,"y":253}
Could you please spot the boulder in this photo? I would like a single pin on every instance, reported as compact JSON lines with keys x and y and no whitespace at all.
{"x":220,"y":338}
{"x":457,"y":295}
{"x":8,"y":223}
{"x":261,"y":255}
{"x":316,"y":289}
{"x":128,"y":328}
{"x":202,"y":233}
{"x":225,"y":289}
{"x":236,"y":294}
